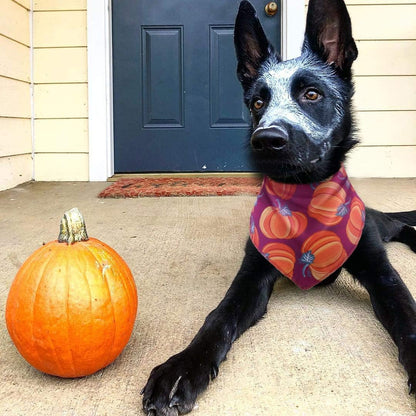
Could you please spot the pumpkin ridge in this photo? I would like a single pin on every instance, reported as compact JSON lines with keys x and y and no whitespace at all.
{"x":302,"y":222}
{"x":115,"y":258}
{"x":128,"y":289}
{"x":329,"y":246}
{"x":16,"y":285}
{"x":327,"y":208}
{"x":329,"y":195}
{"x":355,"y":217}
{"x":51,"y":258}
{"x":322,"y":267}
{"x":315,"y":240}
{"x":103,"y":270}
{"x":112,"y":310}
{"x":22,"y":282}
{"x":45,"y":263}
{"x":68,"y":324}
{"x":67,"y":333}
{"x":77,"y":245}
{"x":281,"y":256}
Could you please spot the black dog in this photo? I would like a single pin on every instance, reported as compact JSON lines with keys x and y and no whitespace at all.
{"x":302,"y":128}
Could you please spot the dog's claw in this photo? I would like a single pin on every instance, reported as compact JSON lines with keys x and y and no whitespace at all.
{"x":214,"y":371}
{"x":145,"y":404}
{"x":411,"y":390}
{"x":174,"y":389}
{"x":174,"y":402}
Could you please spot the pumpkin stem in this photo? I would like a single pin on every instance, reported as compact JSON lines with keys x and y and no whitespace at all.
{"x":72,"y":228}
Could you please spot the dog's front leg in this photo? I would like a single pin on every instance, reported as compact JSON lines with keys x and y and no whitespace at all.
{"x":172,"y":387}
{"x":392,"y":302}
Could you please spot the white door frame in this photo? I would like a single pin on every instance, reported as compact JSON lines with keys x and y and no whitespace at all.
{"x":100,"y":80}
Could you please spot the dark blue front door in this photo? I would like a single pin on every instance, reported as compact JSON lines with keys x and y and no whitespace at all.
{"x":177,"y":103}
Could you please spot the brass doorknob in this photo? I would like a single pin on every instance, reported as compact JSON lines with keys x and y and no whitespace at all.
{"x":271,"y":8}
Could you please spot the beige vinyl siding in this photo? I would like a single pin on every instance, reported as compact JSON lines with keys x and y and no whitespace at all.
{"x":385,"y":79}
{"x":15,"y":125}
{"x":47,"y":5}
{"x":61,"y":90}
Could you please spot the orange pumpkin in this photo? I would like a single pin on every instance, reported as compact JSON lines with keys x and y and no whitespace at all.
{"x":282,"y":190}
{"x":328,"y":203}
{"x":72,"y":305}
{"x":282,"y":223}
{"x":355,"y":223}
{"x":323,"y":253}
{"x":281,"y":256}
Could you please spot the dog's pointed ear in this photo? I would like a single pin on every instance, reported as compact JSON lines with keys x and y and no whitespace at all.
{"x":251,"y":45}
{"x":329,"y":35}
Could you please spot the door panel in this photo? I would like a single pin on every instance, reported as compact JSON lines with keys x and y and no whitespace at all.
{"x":177,"y":101}
{"x":227,"y":107}
{"x":161,"y":45}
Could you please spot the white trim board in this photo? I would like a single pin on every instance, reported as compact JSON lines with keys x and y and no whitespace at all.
{"x":100,"y":82}
{"x":100,"y":95}
{"x":293,"y":27}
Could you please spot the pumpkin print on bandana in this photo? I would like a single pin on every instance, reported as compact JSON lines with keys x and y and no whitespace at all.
{"x":307,"y":231}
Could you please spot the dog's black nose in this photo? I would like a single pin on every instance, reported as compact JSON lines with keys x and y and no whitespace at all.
{"x":269,"y":138}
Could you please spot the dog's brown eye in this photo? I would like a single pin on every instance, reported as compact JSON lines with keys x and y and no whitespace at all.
{"x":258,"y":104}
{"x":312,"y":95}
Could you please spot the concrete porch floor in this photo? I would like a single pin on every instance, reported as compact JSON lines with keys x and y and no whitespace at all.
{"x":320,"y":352}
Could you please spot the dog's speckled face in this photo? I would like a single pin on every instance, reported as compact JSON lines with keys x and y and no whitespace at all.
{"x":300,"y":108}
{"x":306,"y":101}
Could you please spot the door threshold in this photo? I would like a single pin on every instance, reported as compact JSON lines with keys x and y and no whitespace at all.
{"x":119,"y":176}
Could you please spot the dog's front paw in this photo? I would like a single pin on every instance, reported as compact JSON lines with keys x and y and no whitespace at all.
{"x":173,"y":387}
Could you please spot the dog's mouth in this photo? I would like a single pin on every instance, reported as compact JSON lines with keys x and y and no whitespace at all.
{"x":292,"y":163}
{"x":296,"y":156}
{"x":324,"y":149}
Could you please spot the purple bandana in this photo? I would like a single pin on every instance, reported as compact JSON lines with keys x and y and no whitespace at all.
{"x":307,"y":231}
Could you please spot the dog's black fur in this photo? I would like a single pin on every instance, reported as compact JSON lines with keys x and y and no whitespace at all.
{"x":317,"y":88}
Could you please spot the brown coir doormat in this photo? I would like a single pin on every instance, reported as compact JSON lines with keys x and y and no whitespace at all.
{"x":188,"y":186}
